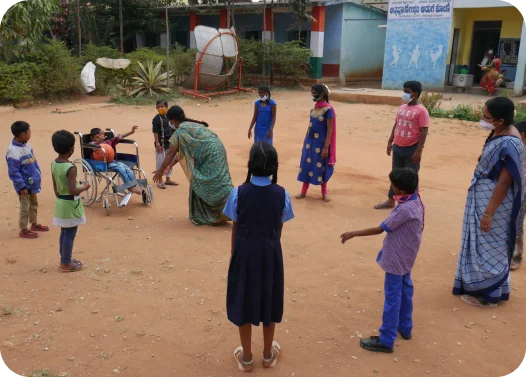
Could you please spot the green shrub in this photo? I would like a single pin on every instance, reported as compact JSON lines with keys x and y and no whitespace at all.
{"x":146,"y":54}
{"x":17,"y":82}
{"x":58,"y":73}
{"x":521,"y":113}
{"x":90,"y":53}
{"x":465,"y":112}
{"x":430,"y":100}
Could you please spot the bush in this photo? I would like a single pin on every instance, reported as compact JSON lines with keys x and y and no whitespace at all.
{"x":521,"y":113}
{"x":430,"y":100}
{"x":17,"y":82}
{"x":58,"y":73}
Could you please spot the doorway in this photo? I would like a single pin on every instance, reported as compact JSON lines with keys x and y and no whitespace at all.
{"x":486,"y":35}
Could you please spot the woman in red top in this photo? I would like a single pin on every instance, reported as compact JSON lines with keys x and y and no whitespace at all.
{"x":489,"y":80}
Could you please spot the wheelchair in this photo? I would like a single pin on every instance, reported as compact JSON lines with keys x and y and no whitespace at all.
{"x":97,"y":174}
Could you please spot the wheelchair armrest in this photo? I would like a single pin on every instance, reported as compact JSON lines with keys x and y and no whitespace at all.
{"x":91,"y":146}
{"x":127,"y":141}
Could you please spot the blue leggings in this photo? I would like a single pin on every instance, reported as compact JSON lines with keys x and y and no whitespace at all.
{"x":67,"y":237}
{"x":123,"y":170}
{"x":398,"y":308}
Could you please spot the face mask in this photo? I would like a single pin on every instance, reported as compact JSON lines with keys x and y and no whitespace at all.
{"x":162,"y":111}
{"x":316,"y":98}
{"x":407,"y":97}
{"x":264,"y":98}
{"x":486,"y":126}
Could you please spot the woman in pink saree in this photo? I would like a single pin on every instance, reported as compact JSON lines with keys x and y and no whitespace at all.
{"x":318,"y":156}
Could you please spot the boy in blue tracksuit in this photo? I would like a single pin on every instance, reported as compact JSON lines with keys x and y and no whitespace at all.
{"x":26,"y":176}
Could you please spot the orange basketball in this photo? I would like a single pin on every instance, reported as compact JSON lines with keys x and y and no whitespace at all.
{"x":99,"y":155}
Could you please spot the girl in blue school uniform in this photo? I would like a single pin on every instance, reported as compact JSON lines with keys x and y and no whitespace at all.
{"x":264,"y":117}
{"x":255,"y":290}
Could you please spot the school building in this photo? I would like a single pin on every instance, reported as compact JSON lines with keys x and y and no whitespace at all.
{"x":346,"y":37}
{"x":432,"y":43}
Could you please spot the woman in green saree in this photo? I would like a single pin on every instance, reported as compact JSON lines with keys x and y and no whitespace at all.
{"x":203,"y":158}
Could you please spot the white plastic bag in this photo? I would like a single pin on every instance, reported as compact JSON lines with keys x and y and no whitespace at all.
{"x":87,"y":76}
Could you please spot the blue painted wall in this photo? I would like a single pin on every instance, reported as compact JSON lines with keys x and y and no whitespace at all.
{"x":333,"y":34}
{"x":421,"y":40}
{"x":362,"y":42}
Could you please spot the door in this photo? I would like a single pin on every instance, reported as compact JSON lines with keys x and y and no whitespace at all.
{"x":486,"y":35}
{"x":454,"y":54}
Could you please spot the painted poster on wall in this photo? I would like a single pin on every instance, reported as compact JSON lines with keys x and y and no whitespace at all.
{"x":418,"y":34}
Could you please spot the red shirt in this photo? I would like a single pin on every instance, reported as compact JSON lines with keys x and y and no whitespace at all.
{"x":409,"y":121}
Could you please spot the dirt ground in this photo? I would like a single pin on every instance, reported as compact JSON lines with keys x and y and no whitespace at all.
{"x":152,"y":300}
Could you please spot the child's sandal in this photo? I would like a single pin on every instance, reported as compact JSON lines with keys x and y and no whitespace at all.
{"x":276,"y":350}
{"x":243,"y":366}
{"x":28,"y":234}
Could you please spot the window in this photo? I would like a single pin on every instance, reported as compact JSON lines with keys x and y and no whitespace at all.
{"x":181,"y":38}
{"x":293,"y":36}
{"x":256,"y":35}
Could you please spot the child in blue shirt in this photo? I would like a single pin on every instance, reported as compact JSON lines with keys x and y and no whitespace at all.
{"x":25,"y":173}
{"x":264,"y":117}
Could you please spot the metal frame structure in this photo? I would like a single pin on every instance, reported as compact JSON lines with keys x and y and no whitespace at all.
{"x":197,"y":79}
{"x":88,"y":172}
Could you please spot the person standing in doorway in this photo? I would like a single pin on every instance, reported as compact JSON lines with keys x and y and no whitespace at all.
{"x":408,"y":136}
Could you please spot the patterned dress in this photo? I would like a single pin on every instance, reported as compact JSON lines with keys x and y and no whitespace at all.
{"x":484,"y":260}
{"x":313,"y":169}
{"x":203,"y":159}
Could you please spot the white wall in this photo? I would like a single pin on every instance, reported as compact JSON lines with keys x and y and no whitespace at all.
{"x":480,"y":4}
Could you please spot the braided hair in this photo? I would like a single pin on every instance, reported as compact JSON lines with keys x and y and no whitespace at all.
{"x":321,"y":88}
{"x":177,"y":113}
{"x":263,"y":162}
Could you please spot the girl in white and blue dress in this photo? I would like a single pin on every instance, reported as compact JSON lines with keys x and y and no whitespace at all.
{"x":264,"y":117}
{"x":255,"y":290}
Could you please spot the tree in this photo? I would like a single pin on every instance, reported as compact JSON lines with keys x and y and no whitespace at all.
{"x":299,"y":9}
{"x":25,"y":22}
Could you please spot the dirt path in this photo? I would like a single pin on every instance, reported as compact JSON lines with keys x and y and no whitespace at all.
{"x":152,"y":301}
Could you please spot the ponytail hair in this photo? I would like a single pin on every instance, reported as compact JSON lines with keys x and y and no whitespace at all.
{"x":489,"y":137}
{"x":263,"y":162}
{"x":177,"y":113}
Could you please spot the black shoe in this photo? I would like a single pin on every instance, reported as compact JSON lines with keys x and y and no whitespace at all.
{"x":373,"y":344}
{"x":406,"y":337}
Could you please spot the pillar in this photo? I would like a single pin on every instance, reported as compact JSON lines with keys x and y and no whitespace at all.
{"x":316,"y":42}
{"x":194,"y":21}
{"x":266,"y":35}
{"x":222,"y":19}
{"x":521,"y":65}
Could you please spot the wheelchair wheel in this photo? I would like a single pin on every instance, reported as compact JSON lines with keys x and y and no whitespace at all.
{"x":147,"y":195}
{"x":85,"y":174}
{"x":106,"y":205}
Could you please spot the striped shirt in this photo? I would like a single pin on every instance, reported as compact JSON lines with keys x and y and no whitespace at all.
{"x":404,"y":228}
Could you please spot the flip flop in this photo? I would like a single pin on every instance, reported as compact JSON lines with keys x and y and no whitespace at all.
{"x":243,"y":366}
{"x":478,"y":302}
{"x":28,"y":234}
{"x":276,"y":350}
{"x":171,"y":183}
{"x":78,"y":266}
{"x":161,"y":186}
{"x":383,"y":205}
{"x":39,"y":228}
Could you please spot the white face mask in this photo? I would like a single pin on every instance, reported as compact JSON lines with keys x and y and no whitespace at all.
{"x":486,"y":126}
{"x":407,"y":97}
{"x":264,"y":98}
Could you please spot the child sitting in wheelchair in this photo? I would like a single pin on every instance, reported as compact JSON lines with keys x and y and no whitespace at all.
{"x":108,"y":150}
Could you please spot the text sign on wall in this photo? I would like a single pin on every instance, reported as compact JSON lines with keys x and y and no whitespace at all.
{"x":420,"y":9}
{"x":509,"y":51}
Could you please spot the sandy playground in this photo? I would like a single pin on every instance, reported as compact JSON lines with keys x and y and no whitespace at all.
{"x":152,"y":300}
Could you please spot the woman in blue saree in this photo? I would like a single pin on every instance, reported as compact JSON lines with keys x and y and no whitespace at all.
{"x":492,"y":208}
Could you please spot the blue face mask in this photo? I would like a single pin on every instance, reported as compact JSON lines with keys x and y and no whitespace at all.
{"x":407,"y":97}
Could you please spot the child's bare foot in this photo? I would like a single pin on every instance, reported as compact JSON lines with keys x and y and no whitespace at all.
{"x":275,"y":351}
{"x":326,"y":198}
{"x":301,"y":196}
{"x":243,"y":366}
